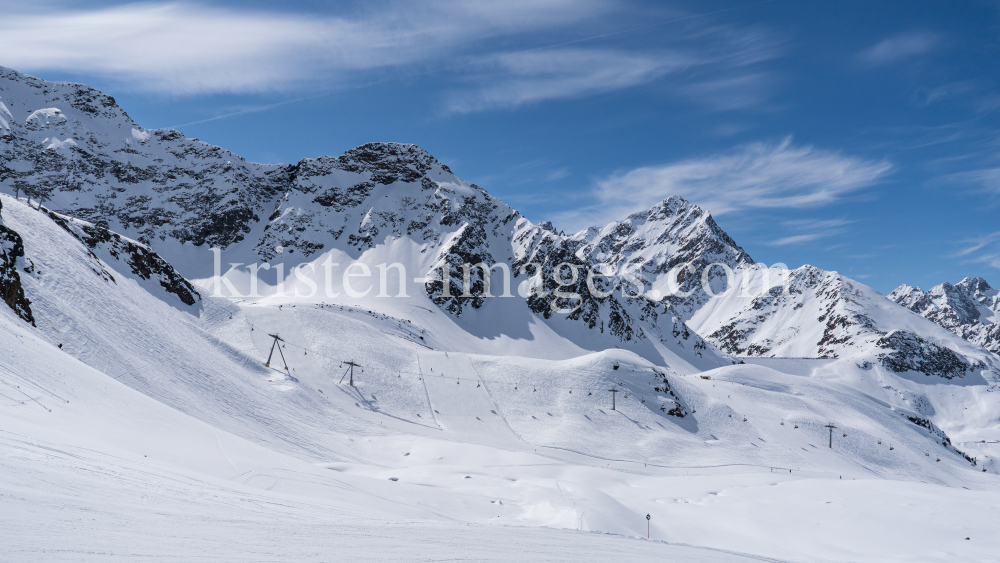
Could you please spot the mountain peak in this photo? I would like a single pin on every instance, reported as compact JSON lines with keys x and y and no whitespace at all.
{"x":24,"y":94}
{"x":974,"y":284}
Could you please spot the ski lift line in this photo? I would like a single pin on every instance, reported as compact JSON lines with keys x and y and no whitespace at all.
{"x":480,"y":379}
{"x":420,"y":374}
{"x":650,"y":464}
{"x":12,"y":399}
{"x":34,"y":384}
{"x":473,"y":380}
{"x":19,"y":390}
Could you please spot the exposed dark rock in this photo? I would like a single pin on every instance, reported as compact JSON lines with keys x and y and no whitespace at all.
{"x":140,"y":259}
{"x":11,"y":259}
{"x":910,"y":352}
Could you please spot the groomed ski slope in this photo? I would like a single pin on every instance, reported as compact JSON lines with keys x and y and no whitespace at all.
{"x":95,"y":471}
{"x":157,"y":433}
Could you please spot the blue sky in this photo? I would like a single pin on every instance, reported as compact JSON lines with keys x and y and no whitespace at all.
{"x":860,"y":137}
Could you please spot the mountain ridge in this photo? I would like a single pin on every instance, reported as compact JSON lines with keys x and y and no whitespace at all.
{"x":638,"y":280}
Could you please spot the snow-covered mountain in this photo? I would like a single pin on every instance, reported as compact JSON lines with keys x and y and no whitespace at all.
{"x":969,"y":308}
{"x":130,"y":392}
{"x":72,"y":148}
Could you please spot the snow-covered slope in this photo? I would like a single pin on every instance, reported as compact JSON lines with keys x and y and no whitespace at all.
{"x":492,"y":440}
{"x":94,"y":470}
{"x":970,"y":309}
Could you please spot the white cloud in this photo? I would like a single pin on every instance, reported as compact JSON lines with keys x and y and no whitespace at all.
{"x":186,"y":48}
{"x":900,"y":47}
{"x":755,"y":176}
{"x":796,"y":239}
{"x":521,"y":78}
{"x":732,"y":92}
{"x":988,"y":178}
{"x":809,"y":230}
{"x":711,"y":66}
{"x":984,"y":249}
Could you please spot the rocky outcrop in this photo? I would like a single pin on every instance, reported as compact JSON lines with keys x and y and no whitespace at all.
{"x":910,"y":352}
{"x":11,"y":260}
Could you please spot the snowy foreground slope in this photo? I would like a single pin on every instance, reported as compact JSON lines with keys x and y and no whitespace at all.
{"x":168,"y":438}
{"x":138,"y":419}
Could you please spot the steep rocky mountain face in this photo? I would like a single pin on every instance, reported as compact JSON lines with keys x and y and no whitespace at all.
{"x":135,"y":258}
{"x":970,"y":309}
{"x":667,"y":248}
{"x":805,"y":312}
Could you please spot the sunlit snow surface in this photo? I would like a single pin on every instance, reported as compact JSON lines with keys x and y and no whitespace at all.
{"x":157,"y":433}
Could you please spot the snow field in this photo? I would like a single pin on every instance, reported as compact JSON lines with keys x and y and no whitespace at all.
{"x":177,"y":442}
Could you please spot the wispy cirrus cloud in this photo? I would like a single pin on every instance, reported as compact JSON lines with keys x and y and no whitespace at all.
{"x":984,"y":249}
{"x":185,"y":48}
{"x":523,"y":78}
{"x":807,"y":230}
{"x":714,"y":66}
{"x":899,"y":47}
{"x":987,"y":178}
{"x":755,"y":176}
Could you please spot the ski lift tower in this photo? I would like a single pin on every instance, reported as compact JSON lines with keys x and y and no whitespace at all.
{"x":277,"y":339}
{"x":351,"y":365}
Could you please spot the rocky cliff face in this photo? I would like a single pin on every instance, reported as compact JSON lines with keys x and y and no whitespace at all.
{"x":128,"y":256}
{"x":970,"y":309}
{"x":807,"y":312}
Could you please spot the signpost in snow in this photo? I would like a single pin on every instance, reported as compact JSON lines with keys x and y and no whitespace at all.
{"x":831,"y":427}
{"x":647,"y":525}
